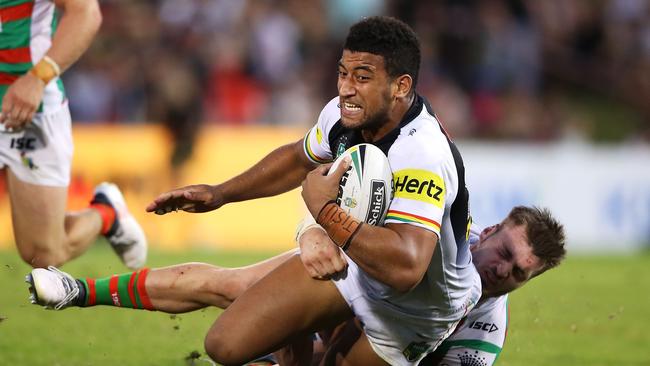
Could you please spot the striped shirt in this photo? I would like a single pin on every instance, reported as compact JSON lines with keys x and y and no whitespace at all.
{"x":26,"y":31}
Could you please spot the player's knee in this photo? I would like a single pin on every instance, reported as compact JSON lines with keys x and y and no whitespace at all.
{"x":222,"y":349}
{"x":40,"y":256}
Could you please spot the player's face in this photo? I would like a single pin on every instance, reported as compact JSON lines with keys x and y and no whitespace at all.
{"x":364,"y":90}
{"x":504,"y":259}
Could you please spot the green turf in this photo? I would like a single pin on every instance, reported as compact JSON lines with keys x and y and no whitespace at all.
{"x":590,"y":311}
{"x":30,"y":335}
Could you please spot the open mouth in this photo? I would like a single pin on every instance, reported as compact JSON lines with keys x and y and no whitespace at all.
{"x":351,"y":107}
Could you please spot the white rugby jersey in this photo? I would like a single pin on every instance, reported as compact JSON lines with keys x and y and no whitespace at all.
{"x":429,"y":188}
{"x":479,"y":338}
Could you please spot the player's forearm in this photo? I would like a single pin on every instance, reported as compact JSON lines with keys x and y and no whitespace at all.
{"x":390,"y":257}
{"x":280,"y":171}
{"x":77,"y":28}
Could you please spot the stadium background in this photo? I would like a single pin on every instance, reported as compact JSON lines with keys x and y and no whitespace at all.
{"x":547,"y":100}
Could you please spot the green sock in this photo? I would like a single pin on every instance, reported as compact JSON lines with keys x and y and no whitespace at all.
{"x":125,"y":290}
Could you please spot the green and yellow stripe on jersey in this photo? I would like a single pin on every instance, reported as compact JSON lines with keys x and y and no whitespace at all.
{"x":411,"y":218}
{"x":307,"y":146}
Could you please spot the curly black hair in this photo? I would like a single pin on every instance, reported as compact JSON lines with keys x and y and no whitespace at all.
{"x":390,"y":38}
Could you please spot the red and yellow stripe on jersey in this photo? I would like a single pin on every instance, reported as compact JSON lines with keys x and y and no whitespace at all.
{"x":411,"y":218}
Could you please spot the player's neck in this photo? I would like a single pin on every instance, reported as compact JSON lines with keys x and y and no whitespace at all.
{"x":395,"y":116}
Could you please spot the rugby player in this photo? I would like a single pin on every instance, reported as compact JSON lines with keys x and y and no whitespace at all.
{"x":36,"y":137}
{"x":409,"y":282}
{"x":499,"y":253}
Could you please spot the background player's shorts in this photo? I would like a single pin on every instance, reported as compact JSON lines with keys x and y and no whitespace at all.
{"x":397,"y":336}
{"x":41,"y":153}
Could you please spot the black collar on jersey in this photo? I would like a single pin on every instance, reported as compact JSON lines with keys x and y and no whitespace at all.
{"x":414,"y":110}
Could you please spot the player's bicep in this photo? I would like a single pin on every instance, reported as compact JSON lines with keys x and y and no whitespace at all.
{"x":461,"y":356}
{"x":420,"y":242}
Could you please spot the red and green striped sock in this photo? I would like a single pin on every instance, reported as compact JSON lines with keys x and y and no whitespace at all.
{"x":126,"y":290}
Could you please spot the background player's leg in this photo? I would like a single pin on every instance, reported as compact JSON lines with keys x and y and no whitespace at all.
{"x":348,"y":346}
{"x":279,"y":309}
{"x":45,"y":234}
{"x":191,"y":286}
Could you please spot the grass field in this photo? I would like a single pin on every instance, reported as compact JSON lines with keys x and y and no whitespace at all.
{"x":590,"y":311}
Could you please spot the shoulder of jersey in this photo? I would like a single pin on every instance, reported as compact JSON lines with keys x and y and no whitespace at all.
{"x":331,"y":112}
{"x":420,"y":143}
{"x":365,"y":190}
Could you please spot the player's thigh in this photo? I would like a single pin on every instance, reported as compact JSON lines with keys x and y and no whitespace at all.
{"x":285,"y":303}
{"x":37,"y":211}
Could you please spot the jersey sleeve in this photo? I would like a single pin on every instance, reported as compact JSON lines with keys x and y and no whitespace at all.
{"x":423,"y":184}
{"x":316,"y":142}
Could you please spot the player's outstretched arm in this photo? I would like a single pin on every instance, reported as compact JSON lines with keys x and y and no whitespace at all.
{"x":79,"y":24}
{"x":280,"y":171}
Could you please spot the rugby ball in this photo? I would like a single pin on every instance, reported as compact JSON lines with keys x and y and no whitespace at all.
{"x":365,"y":190}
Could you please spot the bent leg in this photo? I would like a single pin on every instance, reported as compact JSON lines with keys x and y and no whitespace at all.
{"x":45,"y":234}
{"x":279,"y":309}
{"x":192,"y":286}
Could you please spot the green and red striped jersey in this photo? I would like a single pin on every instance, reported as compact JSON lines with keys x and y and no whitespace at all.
{"x":26,"y":30}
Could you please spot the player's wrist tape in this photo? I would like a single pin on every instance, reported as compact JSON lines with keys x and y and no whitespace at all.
{"x":46,"y":69}
{"x":340,"y":226}
{"x":307,"y":223}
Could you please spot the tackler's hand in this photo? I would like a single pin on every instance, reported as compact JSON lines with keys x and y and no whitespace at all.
{"x":195,"y":198}
{"x":321,"y":257}
{"x":319,"y":187}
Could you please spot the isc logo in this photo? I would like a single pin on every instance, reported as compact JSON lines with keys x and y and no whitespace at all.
{"x":419,"y":185}
{"x":23,"y":143}
{"x":488,"y":327}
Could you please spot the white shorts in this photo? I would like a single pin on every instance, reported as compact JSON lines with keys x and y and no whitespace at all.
{"x":397,"y":336}
{"x":41,"y":153}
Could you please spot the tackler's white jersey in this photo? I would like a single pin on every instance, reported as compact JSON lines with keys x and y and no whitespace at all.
{"x":429,"y":192}
{"x":479,"y":338}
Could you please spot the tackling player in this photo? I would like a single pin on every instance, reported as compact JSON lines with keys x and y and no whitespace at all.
{"x":36,"y":138}
{"x":499,"y":253}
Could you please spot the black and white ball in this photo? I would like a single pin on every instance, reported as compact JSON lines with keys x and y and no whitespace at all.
{"x":365,"y":190}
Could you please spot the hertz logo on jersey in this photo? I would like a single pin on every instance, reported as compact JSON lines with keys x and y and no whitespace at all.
{"x":419,"y":185}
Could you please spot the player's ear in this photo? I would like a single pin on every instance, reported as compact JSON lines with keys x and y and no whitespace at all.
{"x":402,"y":86}
{"x":489,"y":231}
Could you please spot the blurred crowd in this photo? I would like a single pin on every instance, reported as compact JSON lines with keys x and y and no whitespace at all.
{"x":499,"y":69}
